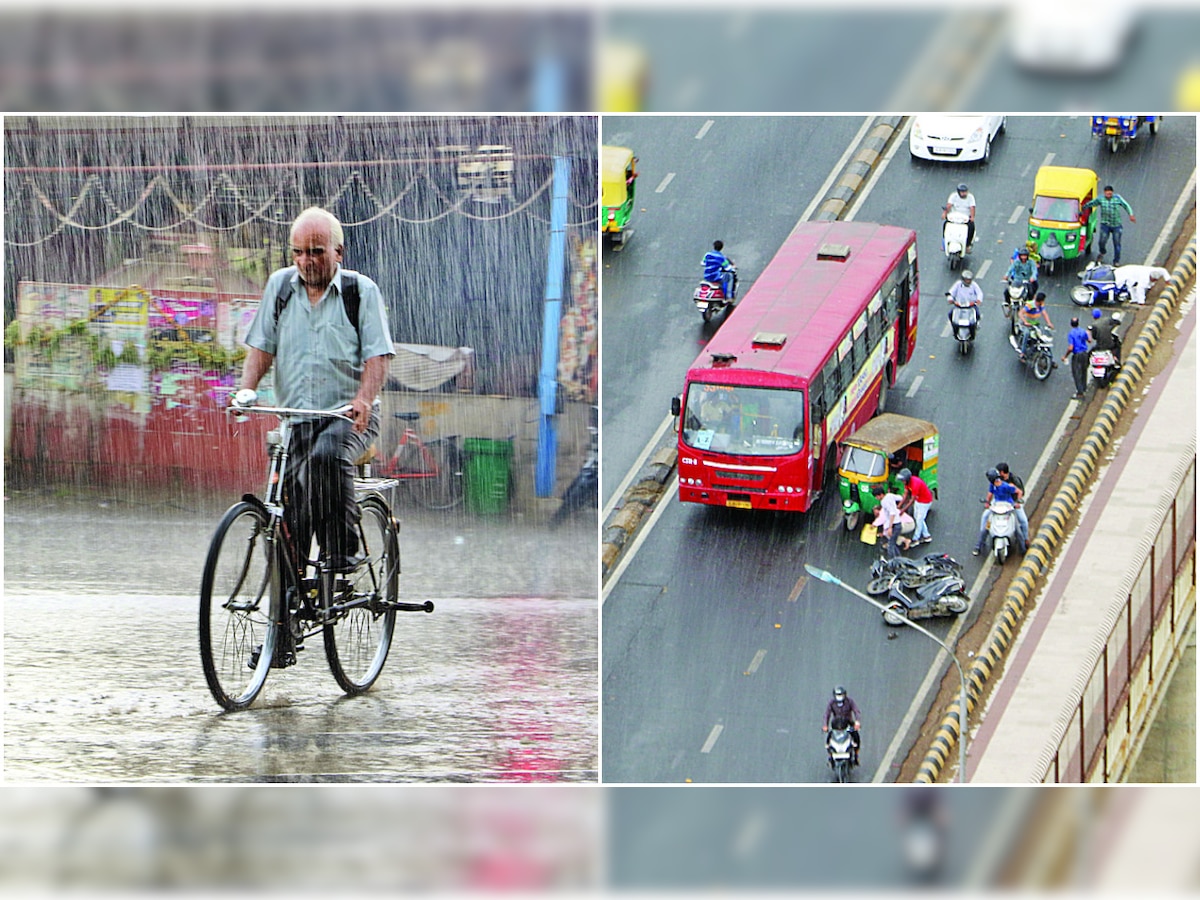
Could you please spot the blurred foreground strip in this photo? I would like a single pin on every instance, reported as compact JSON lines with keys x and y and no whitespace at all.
{"x":337,"y":838}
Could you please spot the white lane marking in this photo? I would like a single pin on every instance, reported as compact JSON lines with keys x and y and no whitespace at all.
{"x":835,"y":172}
{"x":712,"y":738}
{"x":946,"y":329}
{"x":1049,"y":158}
{"x":704,"y":129}
{"x":1017,"y":213}
{"x":799,"y":586}
{"x":662,"y":185}
{"x":637,"y":467}
{"x":1188,"y":195}
{"x":672,"y":490}
{"x":916,"y":384}
{"x":934,"y":676}
{"x":982,"y":270}
{"x":756,"y":662}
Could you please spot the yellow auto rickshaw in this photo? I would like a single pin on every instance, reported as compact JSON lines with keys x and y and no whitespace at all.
{"x":618,"y":174}
{"x":876,"y":453}
{"x":622,"y":73}
{"x":1060,"y":228}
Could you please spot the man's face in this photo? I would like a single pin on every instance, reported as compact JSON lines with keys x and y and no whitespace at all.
{"x":314,"y":253}
{"x":1108,"y":195}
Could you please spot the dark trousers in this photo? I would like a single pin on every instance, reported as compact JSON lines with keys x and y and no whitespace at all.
{"x":319,"y":484}
{"x":1079,"y":370}
{"x":1115,"y":231}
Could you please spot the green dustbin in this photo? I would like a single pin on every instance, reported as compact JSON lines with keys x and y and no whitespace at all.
{"x":487,"y":474}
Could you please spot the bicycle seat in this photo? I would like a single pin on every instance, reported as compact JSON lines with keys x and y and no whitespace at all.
{"x":366,"y":456}
{"x":408,"y":416}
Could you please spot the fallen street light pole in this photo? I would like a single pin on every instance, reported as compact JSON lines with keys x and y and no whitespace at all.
{"x":829,"y":577}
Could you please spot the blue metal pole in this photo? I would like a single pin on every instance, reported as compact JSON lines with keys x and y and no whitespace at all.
{"x":547,"y":451}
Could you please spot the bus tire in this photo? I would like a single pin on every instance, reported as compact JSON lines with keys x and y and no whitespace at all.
{"x":883,"y":388}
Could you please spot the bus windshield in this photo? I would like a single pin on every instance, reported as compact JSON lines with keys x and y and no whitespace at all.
{"x":748,"y":421}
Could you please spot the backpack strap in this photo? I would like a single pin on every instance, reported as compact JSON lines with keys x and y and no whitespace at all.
{"x":351,"y":300}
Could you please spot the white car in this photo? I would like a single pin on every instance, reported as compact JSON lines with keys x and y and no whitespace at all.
{"x":1071,"y":37}
{"x":954,"y":138}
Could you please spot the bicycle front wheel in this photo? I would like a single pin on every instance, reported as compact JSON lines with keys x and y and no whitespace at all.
{"x":443,"y":490}
{"x":358,"y":632}
{"x":237,"y":638}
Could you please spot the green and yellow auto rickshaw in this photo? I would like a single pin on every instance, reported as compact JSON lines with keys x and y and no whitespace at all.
{"x":876,"y":453}
{"x":618,"y":175}
{"x":1059,"y":228}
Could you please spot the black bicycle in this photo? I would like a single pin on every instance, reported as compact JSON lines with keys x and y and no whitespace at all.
{"x":259,"y":603}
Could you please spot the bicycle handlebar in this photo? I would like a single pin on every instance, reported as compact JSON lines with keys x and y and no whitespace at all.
{"x":337,"y":413}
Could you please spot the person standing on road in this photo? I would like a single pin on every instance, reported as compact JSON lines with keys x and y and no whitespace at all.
{"x":889,"y":518}
{"x":1077,"y":349}
{"x":919,"y":498}
{"x":1111,"y":205}
{"x":322,"y":360}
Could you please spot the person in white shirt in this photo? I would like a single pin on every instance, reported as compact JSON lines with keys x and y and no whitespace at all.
{"x":963,"y":201}
{"x":1139,"y":279}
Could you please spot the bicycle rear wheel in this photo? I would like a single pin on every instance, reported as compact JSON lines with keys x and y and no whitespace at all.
{"x":445,"y":489}
{"x":358,"y":634}
{"x":235,"y":607}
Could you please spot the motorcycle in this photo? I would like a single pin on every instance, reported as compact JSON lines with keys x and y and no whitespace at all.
{"x":911,"y":572}
{"x":710,"y":297}
{"x":943,"y":597}
{"x":963,"y":321}
{"x":1104,"y":367}
{"x":1002,"y":530}
{"x":924,"y":846}
{"x":1040,"y":352}
{"x":1015,"y":294}
{"x":954,"y":238}
{"x":1099,"y":287}
{"x":839,"y":745}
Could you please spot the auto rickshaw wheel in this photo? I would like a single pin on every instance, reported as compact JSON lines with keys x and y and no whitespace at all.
{"x":852,"y":519}
{"x":1113,"y":144}
{"x":1154,"y":127}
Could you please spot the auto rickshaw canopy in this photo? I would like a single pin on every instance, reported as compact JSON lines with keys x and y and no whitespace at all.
{"x":1064,"y":181}
{"x":888,"y":432}
{"x":616,"y":167}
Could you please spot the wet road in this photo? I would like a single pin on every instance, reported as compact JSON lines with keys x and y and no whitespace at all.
{"x":103,"y":679}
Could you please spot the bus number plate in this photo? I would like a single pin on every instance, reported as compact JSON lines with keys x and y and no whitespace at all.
{"x":740,"y":504}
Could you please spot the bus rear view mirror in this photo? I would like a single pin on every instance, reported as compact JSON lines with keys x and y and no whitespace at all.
{"x":674,"y":406}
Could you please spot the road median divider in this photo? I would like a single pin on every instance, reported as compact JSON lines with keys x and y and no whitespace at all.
{"x":637,"y":502}
{"x":1053,"y":530}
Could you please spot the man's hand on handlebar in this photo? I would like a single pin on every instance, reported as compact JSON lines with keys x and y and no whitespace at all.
{"x":360,"y":413}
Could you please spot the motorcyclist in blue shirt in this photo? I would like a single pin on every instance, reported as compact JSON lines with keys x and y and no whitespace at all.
{"x":1023,"y":269}
{"x":718,"y":269}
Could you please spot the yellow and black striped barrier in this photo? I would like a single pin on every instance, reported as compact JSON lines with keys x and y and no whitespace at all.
{"x":1054,"y":524}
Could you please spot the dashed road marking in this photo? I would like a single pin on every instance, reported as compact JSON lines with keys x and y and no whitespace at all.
{"x":756,"y":662}
{"x":712,"y":738}
{"x":1017,"y":213}
{"x":704,"y":129}
{"x":800,"y":583}
{"x":662,"y":185}
{"x":916,"y":384}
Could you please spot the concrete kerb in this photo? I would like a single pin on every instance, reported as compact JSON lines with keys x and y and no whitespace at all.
{"x":640,"y":498}
{"x":1053,"y":526}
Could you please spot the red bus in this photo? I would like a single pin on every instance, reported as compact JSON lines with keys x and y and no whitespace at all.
{"x":805,"y":358}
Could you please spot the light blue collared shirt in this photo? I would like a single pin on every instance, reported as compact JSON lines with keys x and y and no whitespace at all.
{"x":318,"y":355}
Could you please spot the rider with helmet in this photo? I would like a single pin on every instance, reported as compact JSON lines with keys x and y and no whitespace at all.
{"x":1104,"y":333}
{"x":842,"y":707}
{"x":1023,"y":269}
{"x":718,"y":269}
{"x":962,"y":201}
{"x":964,"y":293}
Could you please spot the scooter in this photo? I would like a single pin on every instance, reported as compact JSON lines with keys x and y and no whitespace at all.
{"x":963,"y":321}
{"x":710,"y":297}
{"x":1099,"y":287}
{"x":954,"y":238}
{"x":910,"y":572}
{"x":1002,"y":530}
{"x":1104,"y":367}
{"x":1040,"y":352}
{"x":943,"y":597}
{"x":839,"y":745}
{"x":1015,"y":294}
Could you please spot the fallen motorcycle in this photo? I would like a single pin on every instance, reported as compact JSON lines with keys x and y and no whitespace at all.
{"x":1099,"y":286}
{"x":943,"y":597}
